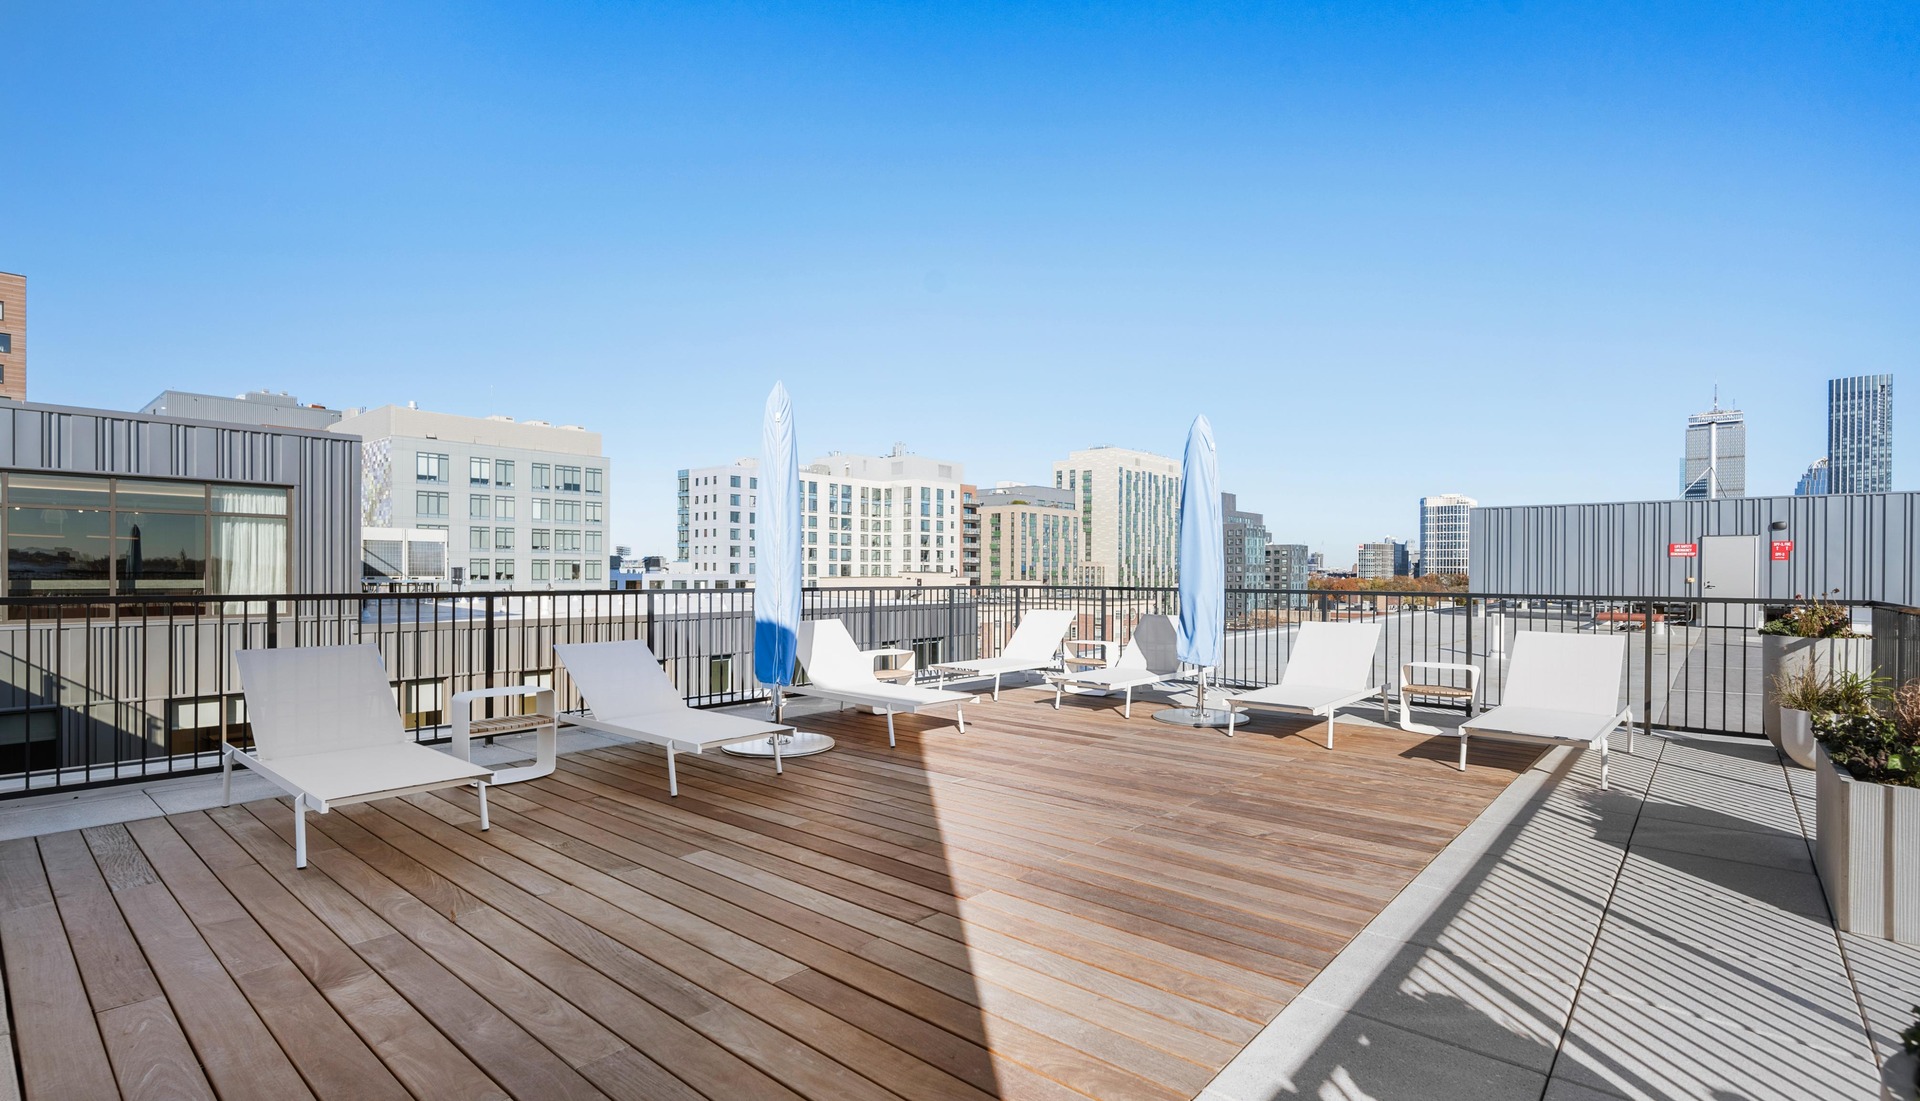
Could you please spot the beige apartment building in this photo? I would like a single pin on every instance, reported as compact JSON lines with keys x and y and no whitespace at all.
{"x":1129,"y":503}
{"x":13,"y":336}
{"x":1030,"y":535}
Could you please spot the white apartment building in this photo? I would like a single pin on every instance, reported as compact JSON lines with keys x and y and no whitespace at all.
{"x":1129,"y":514}
{"x":865,"y":519}
{"x":524,"y":503}
{"x":1445,"y":533}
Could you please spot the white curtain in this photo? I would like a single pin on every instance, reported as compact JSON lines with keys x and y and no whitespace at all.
{"x":252,"y":554}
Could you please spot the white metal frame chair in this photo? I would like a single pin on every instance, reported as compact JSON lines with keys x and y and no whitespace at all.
{"x":326,"y":730}
{"x":837,"y":670}
{"x":1560,"y":688}
{"x":631,"y":697}
{"x":1330,"y":667}
{"x":1034,"y":647}
{"x":1151,"y":657}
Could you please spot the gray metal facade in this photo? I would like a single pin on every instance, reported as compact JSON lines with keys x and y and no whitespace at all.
{"x":323,"y":470}
{"x":1862,"y":544}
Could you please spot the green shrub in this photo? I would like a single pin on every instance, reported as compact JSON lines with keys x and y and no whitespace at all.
{"x":1871,"y":747}
{"x":1816,"y":618}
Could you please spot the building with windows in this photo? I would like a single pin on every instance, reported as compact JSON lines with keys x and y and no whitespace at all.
{"x":1383,"y":560}
{"x":866,"y":520}
{"x":13,"y":336}
{"x":1129,"y":505}
{"x":524,"y":503}
{"x":1032,"y":536}
{"x":261,"y":407}
{"x":1446,"y":523}
{"x":970,"y":534}
{"x":131,"y":504}
{"x":1245,"y":547}
{"x":1814,"y":481}
{"x":1715,"y":463}
{"x":1860,"y":434}
{"x":1288,"y":565}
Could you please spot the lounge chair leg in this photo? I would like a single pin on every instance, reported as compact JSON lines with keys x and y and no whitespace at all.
{"x":673,"y":777}
{"x":485,"y":825}
{"x":890,"y":740}
{"x":299,"y":831}
{"x":1463,"y":751}
{"x":1630,"y":725}
{"x":1329,"y":730}
{"x":226,"y":776}
{"x":1231,"y":715}
{"x":1603,"y":762}
{"x":778,"y":768}
{"x":996,"y":689}
{"x":1127,"y":711}
{"x":960,"y":716}
{"x":1058,"y":688}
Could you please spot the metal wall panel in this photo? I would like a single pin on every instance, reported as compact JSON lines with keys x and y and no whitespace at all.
{"x":1857,"y":546}
{"x":323,"y":470}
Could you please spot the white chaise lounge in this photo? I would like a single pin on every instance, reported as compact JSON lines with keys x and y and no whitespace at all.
{"x":1330,"y":667}
{"x":1034,"y":647}
{"x":1560,"y":688}
{"x":838,"y":671}
{"x":1151,"y":657}
{"x":327,"y":731}
{"x":631,"y":697}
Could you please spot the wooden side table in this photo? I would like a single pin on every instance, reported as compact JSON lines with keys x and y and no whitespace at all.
{"x":897,"y":670}
{"x":1427,"y":689}
{"x":542,"y":720}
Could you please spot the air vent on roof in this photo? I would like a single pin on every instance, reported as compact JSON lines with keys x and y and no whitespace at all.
{"x":501,"y":417}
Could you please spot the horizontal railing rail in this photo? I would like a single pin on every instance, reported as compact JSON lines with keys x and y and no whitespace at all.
{"x":110,"y":689}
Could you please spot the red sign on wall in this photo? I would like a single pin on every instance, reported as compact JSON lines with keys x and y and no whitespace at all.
{"x":1782,"y":549}
{"x":1683,"y":550}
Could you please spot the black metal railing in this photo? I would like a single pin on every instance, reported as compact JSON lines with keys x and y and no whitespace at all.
{"x":114,"y":689}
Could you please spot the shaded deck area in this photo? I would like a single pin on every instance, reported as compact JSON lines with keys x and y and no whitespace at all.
{"x":1050,"y":905}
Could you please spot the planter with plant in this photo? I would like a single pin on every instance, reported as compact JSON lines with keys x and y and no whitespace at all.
{"x":1867,"y":783}
{"x":1816,"y":634}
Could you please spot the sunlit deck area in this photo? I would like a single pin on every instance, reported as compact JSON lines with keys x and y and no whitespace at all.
{"x":1054,"y":904}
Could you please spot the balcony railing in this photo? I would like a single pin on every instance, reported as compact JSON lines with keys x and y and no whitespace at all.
{"x":111,"y":690}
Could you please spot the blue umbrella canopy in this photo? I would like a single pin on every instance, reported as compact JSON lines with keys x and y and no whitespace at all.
{"x":1203,"y":557}
{"x":776,"y":597}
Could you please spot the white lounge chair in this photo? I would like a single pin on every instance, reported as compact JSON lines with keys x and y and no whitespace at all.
{"x":631,"y":697}
{"x":327,"y":731}
{"x":1151,"y":657}
{"x":1330,"y":667}
{"x":1561,"y":688}
{"x":1035,"y":646}
{"x":838,"y":671}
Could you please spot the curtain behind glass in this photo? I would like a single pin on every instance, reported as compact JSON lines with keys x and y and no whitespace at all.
{"x":251,"y":554}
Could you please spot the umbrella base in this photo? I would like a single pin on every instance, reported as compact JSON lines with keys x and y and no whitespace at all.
{"x":797,"y":744}
{"x":1194,"y":716}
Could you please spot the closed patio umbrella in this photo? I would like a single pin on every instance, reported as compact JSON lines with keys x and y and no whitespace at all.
{"x":1203,"y":573}
{"x":776,"y":586}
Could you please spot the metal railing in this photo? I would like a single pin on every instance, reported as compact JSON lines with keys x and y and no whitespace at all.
{"x":110,"y":690}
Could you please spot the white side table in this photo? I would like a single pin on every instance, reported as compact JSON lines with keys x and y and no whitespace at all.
{"x":541,"y":720}
{"x":1427,"y":688}
{"x":896,"y":669}
{"x":1086,"y":653}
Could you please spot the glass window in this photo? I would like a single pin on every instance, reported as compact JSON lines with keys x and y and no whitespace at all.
{"x":542,"y":570}
{"x":432,"y":468}
{"x":594,"y":482}
{"x":477,"y":539}
{"x":503,"y":472}
{"x":566,"y":571}
{"x":503,"y":569}
{"x":480,"y":471}
{"x":430,"y":504}
{"x":47,"y":489}
{"x":503,"y":508}
{"x":567,"y":478}
{"x":479,"y":506}
{"x":593,"y":571}
{"x":542,"y":477}
{"x":57,"y":551}
{"x":593,"y":542}
{"x":479,"y":569}
{"x":260,"y":500}
{"x":542,"y":540}
{"x":542,"y":508}
{"x":502,"y":538}
{"x":566,"y":512}
{"x":163,"y":496}
{"x":593,"y":512}
{"x":566,"y":541}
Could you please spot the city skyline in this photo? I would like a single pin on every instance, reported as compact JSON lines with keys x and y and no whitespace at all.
{"x":1366,"y":236}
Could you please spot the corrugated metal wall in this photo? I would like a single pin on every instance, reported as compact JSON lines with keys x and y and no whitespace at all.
{"x":324,"y":471}
{"x":1862,"y":544}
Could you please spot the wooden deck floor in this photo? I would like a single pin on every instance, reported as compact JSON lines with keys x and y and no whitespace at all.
{"x":1051,"y":905}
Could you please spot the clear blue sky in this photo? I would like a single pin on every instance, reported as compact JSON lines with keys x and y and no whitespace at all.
{"x":1500,"y":249}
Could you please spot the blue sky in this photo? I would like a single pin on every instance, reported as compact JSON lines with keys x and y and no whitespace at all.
{"x":1500,"y":249}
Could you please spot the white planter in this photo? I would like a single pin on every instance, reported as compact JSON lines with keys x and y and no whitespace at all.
{"x":1789,"y":654}
{"x":1796,"y":736}
{"x":1868,"y":852}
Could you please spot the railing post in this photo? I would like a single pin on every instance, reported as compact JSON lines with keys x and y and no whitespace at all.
{"x":273,"y":624}
{"x":1472,"y":702}
{"x":1646,"y":671}
{"x":487,"y":663}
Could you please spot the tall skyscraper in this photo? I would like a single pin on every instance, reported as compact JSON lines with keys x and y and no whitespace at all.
{"x":1814,"y":482}
{"x":1129,"y":514}
{"x":1443,"y":533}
{"x":1860,"y":434}
{"x":1246,"y":545}
{"x":13,"y":336}
{"x":1715,"y":464}
{"x":1383,"y":561}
